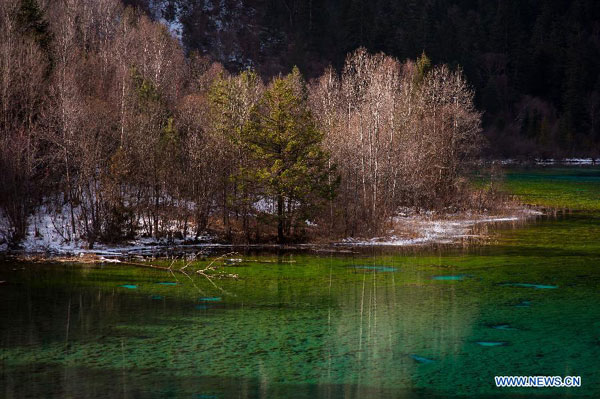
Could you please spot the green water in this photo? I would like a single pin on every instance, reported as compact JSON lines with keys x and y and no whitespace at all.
{"x":412,"y":323}
{"x":557,"y":187}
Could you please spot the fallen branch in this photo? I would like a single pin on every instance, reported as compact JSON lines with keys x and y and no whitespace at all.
{"x":210,"y":265}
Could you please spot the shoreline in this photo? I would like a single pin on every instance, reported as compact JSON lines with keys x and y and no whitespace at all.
{"x":549,"y":161}
{"x":407,"y":230}
{"x":448,"y":229}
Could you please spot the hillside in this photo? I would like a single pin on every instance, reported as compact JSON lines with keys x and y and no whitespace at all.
{"x":534,"y":65}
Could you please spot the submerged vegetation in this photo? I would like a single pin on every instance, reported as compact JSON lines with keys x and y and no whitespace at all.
{"x":556,"y":187}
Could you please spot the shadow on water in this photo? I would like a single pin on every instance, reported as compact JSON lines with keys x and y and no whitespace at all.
{"x":80,"y":382}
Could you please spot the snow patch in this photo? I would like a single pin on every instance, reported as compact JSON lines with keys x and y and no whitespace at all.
{"x":50,"y":231}
{"x":552,"y":161}
{"x":422,"y":230}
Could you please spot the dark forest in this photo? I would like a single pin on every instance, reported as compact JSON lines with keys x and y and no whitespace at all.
{"x":534,"y":64}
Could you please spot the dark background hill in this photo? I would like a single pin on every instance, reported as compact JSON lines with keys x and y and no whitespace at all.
{"x":535,"y":65}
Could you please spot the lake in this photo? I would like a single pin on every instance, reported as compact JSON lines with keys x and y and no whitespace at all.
{"x":434,"y":321}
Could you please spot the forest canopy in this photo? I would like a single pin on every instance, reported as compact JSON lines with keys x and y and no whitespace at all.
{"x":113,"y":130}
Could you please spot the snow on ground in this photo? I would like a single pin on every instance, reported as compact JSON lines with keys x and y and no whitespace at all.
{"x":265,"y":205}
{"x":568,"y":161}
{"x":49,"y":231}
{"x":428,"y":229}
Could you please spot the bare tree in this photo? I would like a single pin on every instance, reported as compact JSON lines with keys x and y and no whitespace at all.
{"x":401,"y":135}
{"x":231,"y":101}
{"x":24,"y":64}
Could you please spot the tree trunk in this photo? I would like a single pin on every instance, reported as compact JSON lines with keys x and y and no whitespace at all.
{"x":280,"y":205}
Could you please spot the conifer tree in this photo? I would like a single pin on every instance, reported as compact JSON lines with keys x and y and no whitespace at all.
{"x":291,"y":166}
{"x":423,"y":67}
{"x":31,"y":22}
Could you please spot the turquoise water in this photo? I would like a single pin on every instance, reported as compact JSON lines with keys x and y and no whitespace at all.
{"x":412,"y":323}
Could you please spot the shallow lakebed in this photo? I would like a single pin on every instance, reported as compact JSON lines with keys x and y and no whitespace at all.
{"x":402,"y":323}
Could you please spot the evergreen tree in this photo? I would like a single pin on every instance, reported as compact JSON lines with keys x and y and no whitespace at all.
{"x":291,"y":166}
{"x":31,"y":22}
{"x":423,"y":67}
